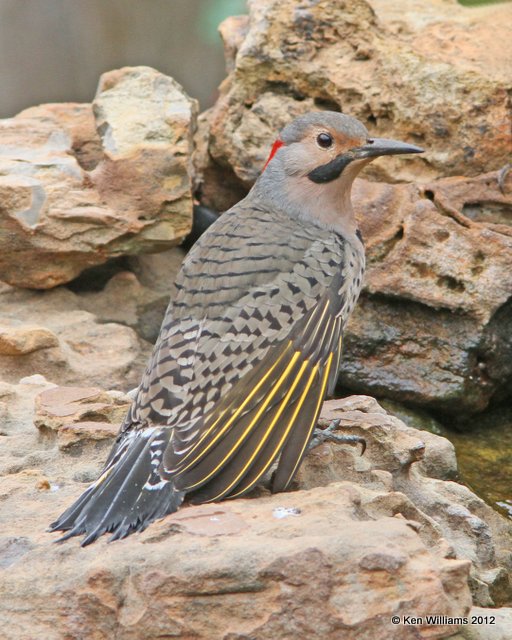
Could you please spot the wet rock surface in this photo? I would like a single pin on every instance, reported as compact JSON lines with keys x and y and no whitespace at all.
{"x":82,"y":183}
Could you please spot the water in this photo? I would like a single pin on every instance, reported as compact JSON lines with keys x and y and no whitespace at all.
{"x":483,"y":446}
{"x":484,"y":455}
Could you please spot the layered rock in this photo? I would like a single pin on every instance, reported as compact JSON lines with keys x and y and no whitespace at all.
{"x":82,"y":183}
{"x":433,"y":325}
{"x":422,"y":467}
{"x":335,"y":559}
{"x":415,"y":74}
{"x":80,"y":414}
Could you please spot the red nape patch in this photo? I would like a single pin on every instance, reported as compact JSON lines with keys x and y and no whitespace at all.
{"x":277,"y":145}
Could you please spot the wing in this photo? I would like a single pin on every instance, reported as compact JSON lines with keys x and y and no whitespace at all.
{"x":270,"y":411}
{"x":233,"y":300}
{"x":249,"y":344}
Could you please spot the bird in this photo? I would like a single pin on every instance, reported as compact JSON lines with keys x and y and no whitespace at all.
{"x":251,"y":341}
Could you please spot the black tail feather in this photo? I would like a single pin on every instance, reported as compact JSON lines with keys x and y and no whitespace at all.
{"x":129,"y":494}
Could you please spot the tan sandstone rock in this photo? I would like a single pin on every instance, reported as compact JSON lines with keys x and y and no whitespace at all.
{"x":79,"y":414}
{"x":365,"y":537}
{"x":251,"y":568}
{"x":82,"y":183}
{"x":436,"y":73}
{"x":16,"y":341}
{"x":421,"y":466}
{"x":433,"y":323}
{"x":69,"y":346}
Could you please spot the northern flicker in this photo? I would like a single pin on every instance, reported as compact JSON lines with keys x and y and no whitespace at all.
{"x":251,"y":341}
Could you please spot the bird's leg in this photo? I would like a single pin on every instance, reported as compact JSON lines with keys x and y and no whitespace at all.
{"x":321,"y":435}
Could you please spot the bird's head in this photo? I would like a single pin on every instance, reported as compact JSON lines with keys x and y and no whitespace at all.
{"x":314,"y":161}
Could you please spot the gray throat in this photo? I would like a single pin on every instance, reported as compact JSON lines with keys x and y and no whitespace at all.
{"x":325,"y":205}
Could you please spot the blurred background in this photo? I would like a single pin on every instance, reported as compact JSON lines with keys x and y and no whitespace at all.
{"x":55,"y":50}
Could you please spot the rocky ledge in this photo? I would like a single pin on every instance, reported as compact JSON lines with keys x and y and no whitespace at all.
{"x":361,"y":538}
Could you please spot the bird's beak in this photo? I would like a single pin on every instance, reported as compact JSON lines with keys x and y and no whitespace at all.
{"x":382,"y":147}
{"x":374,"y":147}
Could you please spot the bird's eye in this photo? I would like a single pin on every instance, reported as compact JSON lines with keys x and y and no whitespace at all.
{"x":324,"y":140}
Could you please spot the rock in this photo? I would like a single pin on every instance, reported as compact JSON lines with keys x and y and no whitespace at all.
{"x":412,"y":241}
{"x":438,"y":289}
{"x":71,"y":197}
{"x":490,"y":624}
{"x":233,"y":32}
{"x":80,"y":414}
{"x":25,"y":450}
{"x":16,"y":341}
{"x":126,"y":301}
{"x":393,"y":349}
{"x":146,"y":121}
{"x":448,"y":512}
{"x":214,"y":185}
{"x":75,"y":433}
{"x":37,"y":379}
{"x":482,"y":445}
{"x":137,"y":298}
{"x":77,"y":122}
{"x":158,"y":271}
{"x":20,"y":446}
{"x":389,"y":68}
{"x":69,"y":346}
{"x":364,"y":538}
{"x":236,"y":571}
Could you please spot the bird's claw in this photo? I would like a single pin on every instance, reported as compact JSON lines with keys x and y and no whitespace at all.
{"x":323,"y":435}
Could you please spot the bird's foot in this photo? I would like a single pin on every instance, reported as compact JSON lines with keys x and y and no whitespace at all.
{"x":327,"y":434}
